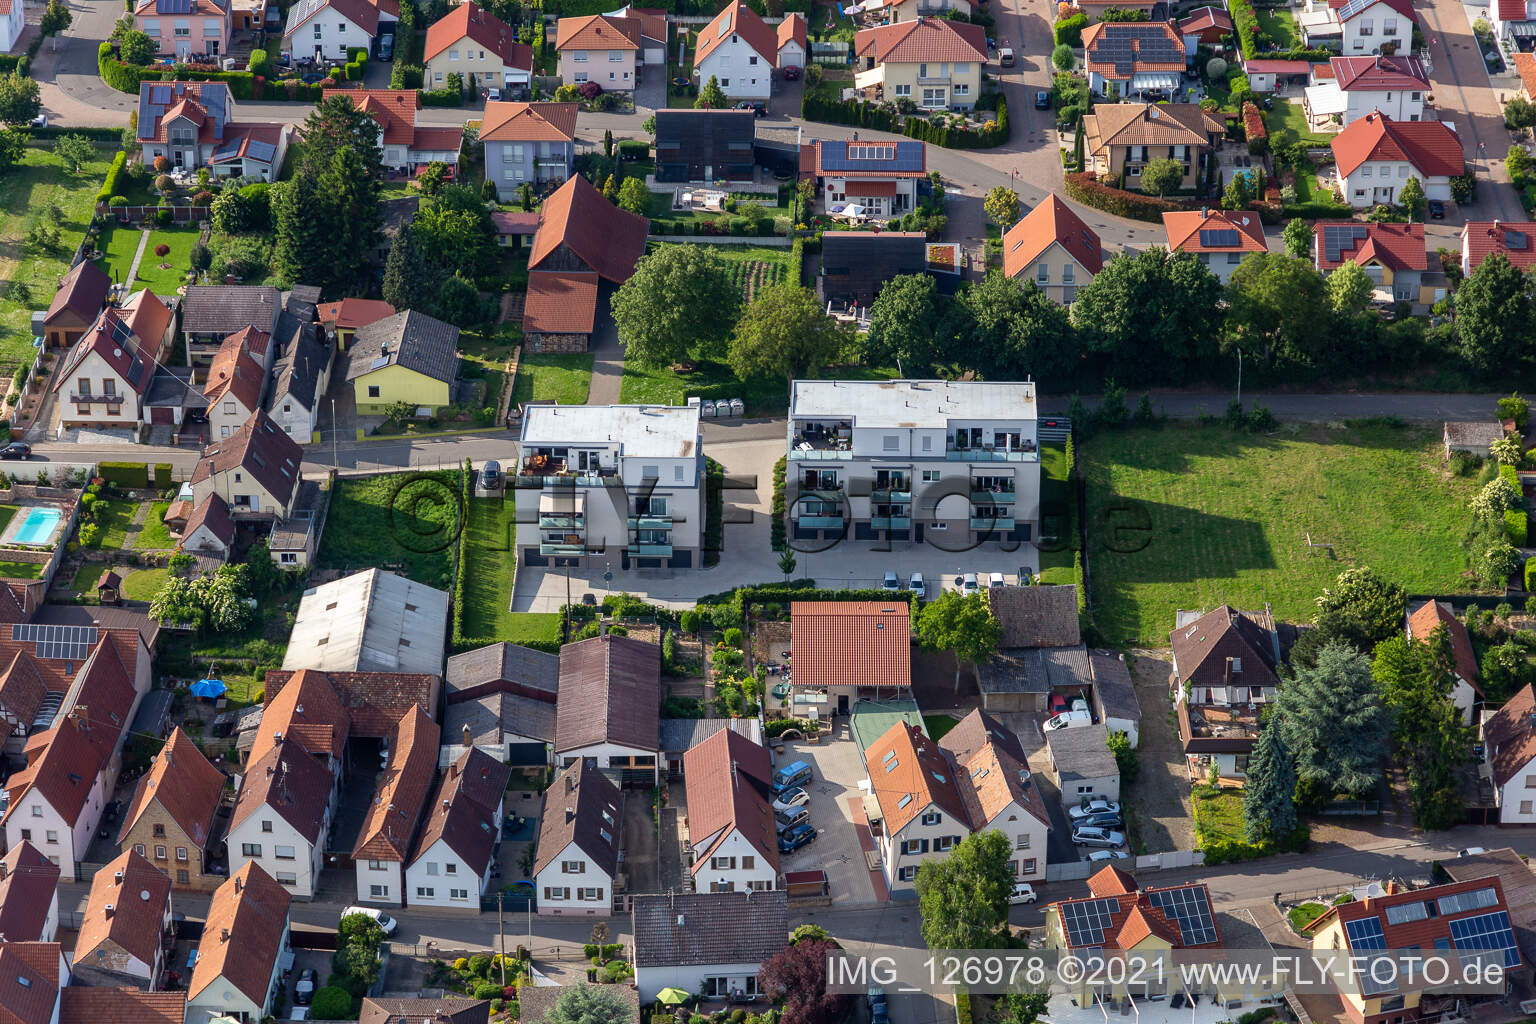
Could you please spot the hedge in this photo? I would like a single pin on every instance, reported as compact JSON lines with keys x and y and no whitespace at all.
{"x":634,"y":149}
{"x":963,"y":999}
{"x":466,"y":493}
{"x":127,"y":475}
{"x":1245,"y":25}
{"x":114,"y":173}
{"x":1317,"y":210}
{"x":1508,"y":473}
{"x":442,"y":98}
{"x":1530,"y":575}
{"x":742,"y":598}
{"x":163,"y":475}
{"x":864,"y":114}
{"x":1069,"y":31}
{"x":1515,"y":526}
{"x":1088,"y":190}
{"x":261,"y":63}
{"x":243,"y":85}
{"x":796,"y":260}
{"x":19,"y":63}
{"x":53,"y":131}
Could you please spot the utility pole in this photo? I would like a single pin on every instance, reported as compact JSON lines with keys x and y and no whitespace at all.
{"x":501,"y":936}
{"x":335,"y":430}
{"x":1239,"y":376}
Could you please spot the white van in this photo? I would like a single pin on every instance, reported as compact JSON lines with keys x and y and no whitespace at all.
{"x":1069,"y":720}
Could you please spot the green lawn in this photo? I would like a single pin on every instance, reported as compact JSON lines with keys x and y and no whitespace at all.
{"x":1287,"y":122}
{"x":563,"y":377}
{"x":21,"y":570}
{"x":1056,"y":521}
{"x":521,"y":627}
{"x":660,"y":208}
{"x":404,"y":520}
{"x":7,"y":513}
{"x":1278,"y":26}
{"x":938,"y":725}
{"x":1219,"y":815}
{"x":26,"y":192}
{"x":484,"y":355}
{"x":120,"y":241}
{"x":1303,"y":914}
{"x":1191,"y":516}
{"x":87,"y":577}
{"x":490,"y":567}
{"x":764,"y":396}
{"x":144,"y":584}
{"x":114,"y":517}
{"x":154,"y":535}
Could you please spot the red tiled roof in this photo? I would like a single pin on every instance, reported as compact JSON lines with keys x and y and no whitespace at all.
{"x":871,"y":188}
{"x":607,"y":239}
{"x":212,"y":514}
{"x":236,"y":369}
{"x":394,"y":109}
{"x":79,"y":1004}
{"x":307,"y":709}
{"x":1403,"y":7}
{"x":148,"y":318}
{"x":1433,"y":615}
{"x":728,"y":778}
{"x":1426,"y":930}
{"x":292,"y":782}
{"x":126,"y":908}
{"x":792,"y":30}
{"x":1137,"y":916}
{"x":1394,"y":246}
{"x":185,"y":784}
{"x":1511,"y":736}
{"x":374,"y":700}
{"x":27,"y":892}
{"x":1204,"y":19}
{"x":1525,"y":64}
{"x":243,"y":935}
{"x":463,"y":806}
{"x":737,"y":19}
{"x":484,"y":29}
{"x":852,"y":643}
{"x":1379,"y":72}
{"x":515,"y":222}
{"x":1431,"y":147}
{"x":81,"y":294}
{"x":27,"y":994}
{"x":1481,"y":238}
{"x":926,"y":39}
{"x":1111,"y":881}
{"x":359,"y":12}
{"x":350,"y":314}
{"x":1051,"y":221}
{"x":915,"y":773}
{"x":402,"y":790}
{"x":528,"y":122}
{"x":560,"y":302}
{"x":1184,"y":227}
{"x":105,"y":340}
{"x":438,"y":138}
{"x":597,"y":32}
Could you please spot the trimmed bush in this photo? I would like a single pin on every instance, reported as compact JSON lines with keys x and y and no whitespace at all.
{"x":261,"y":64}
{"x":443,"y":98}
{"x":1088,"y":190}
{"x":1069,"y":31}
{"x":127,"y":475}
{"x":1530,"y":576}
{"x":332,"y":1003}
{"x":1245,"y":25}
{"x":633,"y":149}
{"x":487,"y":991}
{"x":114,"y":174}
{"x":163,"y":475}
{"x":1515,"y":525}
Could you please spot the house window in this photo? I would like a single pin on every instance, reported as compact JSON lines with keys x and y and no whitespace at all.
{"x":181,"y":854}
{"x":37,"y":810}
{"x":159,"y":853}
{"x":373,"y":391}
{"x":933,"y":98}
{"x":1525,"y":807}
{"x":1365,"y":172}
{"x":614,"y":56}
{"x":182,"y":877}
{"x":748,"y":863}
{"x":1021,"y":841}
{"x":266,"y":826}
{"x":722,"y":886}
{"x":422,"y":891}
{"x":580,"y":56}
{"x":26,"y":835}
{"x":557,"y":892}
{"x":572,"y":867}
{"x":287,"y":878}
{"x":183,"y":29}
{"x":962,"y":89}
{"x":1043,"y":274}
{"x":903,"y":90}
{"x":723,"y":863}
{"x":450,"y":869}
{"x":932,"y":476}
{"x":158,"y":831}
{"x":752,"y":61}
{"x":53,"y":837}
{"x":943,"y":843}
{"x":378,"y":891}
{"x":431,"y":868}
{"x":932,"y":818}
{"x":138,"y":848}
{"x":317,"y":31}
{"x":458,"y":894}
{"x":907,"y":873}
{"x":1068,"y":274}
{"x":453,"y":54}
{"x":1029,"y":865}
{"x":283,"y":852}
{"x":591,"y":895}
{"x":229,"y":406}
{"x":891,"y":442}
{"x":250,"y":849}
{"x":288,"y":558}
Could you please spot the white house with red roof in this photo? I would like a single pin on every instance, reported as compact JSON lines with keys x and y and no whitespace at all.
{"x":331,"y":29}
{"x":793,"y":47}
{"x":1422,"y":623}
{"x":407,"y":147}
{"x":732,"y":837}
{"x":480,"y":47}
{"x":1220,"y":238}
{"x":880,"y":176}
{"x":934,"y":62}
{"x":739,"y":50}
{"x":455,"y":852}
{"x":236,"y":380}
{"x":1394,"y":256}
{"x":1375,"y":156}
{"x":1054,"y":248}
{"x":255,"y":470}
{"x":13,"y":18}
{"x":1512,"y":20}
{"x":193,"y":125}
{"x":1515,"y":240}
{"x":185,"y":27}
{"x":1509,"y":751}
{"x":1356,"y":86}
{"x":106,"y":374}
{"x":1358,"y":27}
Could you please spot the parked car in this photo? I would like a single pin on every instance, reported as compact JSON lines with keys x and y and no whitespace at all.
{"x":1471,"y":851}
{"x":796,"y":773}
{"x":1068,"y":720}
{"x":917,"y":586}
{"x":1094,"y":806}
{"x":380,"y":918}
{"x":791,"y":74}
{"x":1023,"y":892}
{"x":995,"y":580}
{"x":386,"y":47}
{"x":791,"y":798}
{"x":16,"y":450}
{"x":1104,"y":819}
{"x":490,"y":475}
{"x":1099,"y":856}
{"x":1092,"y":836}
{"x":879,"y":1013}
{"x":891,"y":582}
{"x":1005,"y":57}
{"x":758,"y":107}
{"x":1043,"y":100}
{"x":1059,"y":704}
{"x":304,"y":989}
{"x":1437,"y":209}
{"x":40,"y":121}
{"x":967,"y":584}
{"x":788,"y":819}
{"x":794,"y":838}
{"x":492,"y":95}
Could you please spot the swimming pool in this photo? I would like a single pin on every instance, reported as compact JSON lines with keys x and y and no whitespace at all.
{"x":37,"y":526}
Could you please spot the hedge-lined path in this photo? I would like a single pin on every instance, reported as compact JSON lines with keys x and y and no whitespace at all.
{"x":138,"y":254}
{"x":140,"y":513}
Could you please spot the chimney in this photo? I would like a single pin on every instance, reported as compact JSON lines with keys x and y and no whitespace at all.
{"x":239,"y":884}
{"x":223,"y":934}
{"x":271,"y":771}
{"x":1392,"y":887}
{"x":109,"y":909}
{"x":570,"y":815}
{"x":453,"y":770}
{"x":570,"y":783}
{"x":445,"y":805}
{"x":466,"y":735}
{"x":117,"y":877}
{"x":4,"y":870}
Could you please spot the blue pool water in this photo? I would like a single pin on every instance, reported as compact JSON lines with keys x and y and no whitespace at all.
{"x":38,"y":526}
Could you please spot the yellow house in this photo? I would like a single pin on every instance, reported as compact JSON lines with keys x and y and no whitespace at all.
{"x":934,"y":62}
{"x":409,"y":357}
{"x":1394,"y":256}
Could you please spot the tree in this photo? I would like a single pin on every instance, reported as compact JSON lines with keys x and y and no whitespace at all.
{"x":796,"y":978}
{"x":410,"y":281}
{"x":587,"y":1004}
{"x":1508,"y":450}
{"x":1350,"y":289}
{"x":1497,"y":497}
{"x":176,"y":602}
{"x":1236,"y":195}
{"x":1126,"y":758}
{"x":1009,"y":331}
{"x":1330,"y":717}
{"x":1519,"y":112}
{"x":1411,"y":197}
{"x":1019,"y":1007}
{"x":337,"y":124}
{"x":455,"y":231}
{"x":963,"y":898}
{"x":263,"y":574}
{"x":903,"y":324}
{"x":634,"y":196}
{"x":1002,"y":206}
{"x":611,"y":189}
{"x":607,"y":143}
{"x":963,"y":624}
{"x":19,"y":99}
{"x":1269,"y":803}
{"x":301,"y":251}
{"x":785,"y":331}
{"x":1416,"y":680}
{"x":349,"y":204}
{"x":1150,"y":316}
{"x":433,"y":178}
{"x":13,"y":147}
{"x":1362,"y":609}
{"x":1275,"y":304}
{"x":1162,"y":176}
{"x":711,"y":97}
{"x":1494,"y":314}
{"x":137,"y":48}
{"x":649,"y":125}
{"x":1062,"y":57}
{"x":787,"y":564}
{"x":1298,"y":238}
{"x":458,"y":302}
{"x":223,"y":595}
{"x":680,"y":301}
{"x":75,"y":151}
{"x":162,"y":250}
{"x":56,"y":19}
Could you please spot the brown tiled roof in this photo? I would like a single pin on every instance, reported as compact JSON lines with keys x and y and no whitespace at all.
{"x":79,"y":1004}
{"x":1044,"y":616}
{"x":463,"y":807}
{"x":737,"y":19}
{"x":607,"y":239}
{"x":503,"y":668}
{"x":1111,"y":881}
{"x":446,"y":1010}
{"x":1053,"y":221}
{"x":213,"y":513}
{"x":1432,"y":615}
{"x":975,"y":731}
{"x":308,"y":711}
{"x":1511,"y":736}
{"x":528,"y":122}
{"x":792,"y":30}
{"x":923,"y":40}
{"x":292,"y":782}
{"x":81,"y":294}
{"x":27,"y":993}
{"x":1184,"y":229}
{"x":481,"y":27}
{"x":350,"y":314}
{"x":402,"y":790}
{"x":1136,"y":914}
{"x":373,"y":700}
{"x":243,"y":935}
{"x":126,"y":907}
{"x":1424,"y":930}
{"x":105,"y":339}
{"x":581,"y":807}
{"x":1204,"y":19}
{"x":260,"y":448}
{"x":597,"y":32}
{"x":148,"y":318}
{"x":904,"y":763}
{"x":560,"y":302}
{"x":1143,"y":124}
{"x":394,"y":110}
{"x":653,"y":22}
{"x":185,"y":785}
{"x":728,"y":779}
{"x":27,"y":890}
{"x":706,"y":928}
{"x":237,"y":368}
{"x":852,"y":643}
{"x":1482,"y":238}
{"x":610,"y":692}
{"x":1203,"y":649}
{"x":22,"y":688}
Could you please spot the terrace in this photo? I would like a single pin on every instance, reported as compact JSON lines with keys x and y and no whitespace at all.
{"x":822,"y":439}
{"x":550,"y":468}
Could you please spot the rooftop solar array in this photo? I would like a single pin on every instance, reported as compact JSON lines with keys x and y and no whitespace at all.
{"x":1460,"y":902}
{"x":1353,"y":7}
{"x":173,"y":6}
{"x":1189,"y":908}
{"x":1341,"y":238}
{"x":834,"y":157}
{"x":1126,"y":44}
{"x":61,"y":643}
{"x":1365,"y":934}
{"x":1516,"y":240}
{"x":1407,"y":913}
{"x":1487,"y":932}
{"x":1218,"y":237}
{"x":1085,"y":920}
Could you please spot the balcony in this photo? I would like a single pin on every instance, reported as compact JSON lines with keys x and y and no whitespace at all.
{"x":992,"y":524}
{"x":555,"y":521}
{"x":812,"y":485}
{"x":649,"y":550}
{"x":562,"y":550}
{"x":986,"y":454}
{"x":550,"y":469}
{"x":891,"y":522}
{"x":891,"y":490}
{"x":96,"y":399}
{"x":820,"y":454}
{"x":650,"y":522}
{"x":813,"y":441}
{"x":819,"y":522}
{"x":932,"y":79}
{"x":988,"y":497}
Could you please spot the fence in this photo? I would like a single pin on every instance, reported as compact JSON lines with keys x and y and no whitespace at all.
{"x":179,"y":214}
{"x":1171,"y":861}
{"x":770,"y":241}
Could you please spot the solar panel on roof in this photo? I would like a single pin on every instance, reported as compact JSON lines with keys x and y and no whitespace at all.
{"x":1516,"y":240}
{"x":1487,"y":932}
{"x":1459,"y":902}
{"x":1407,"y":913}
{"x":227,"y":150}
{"x":1338,"y":238}
{"x":1085,"y":920}
{"x":60,"y":643}
{"x":1188,"y":907}
{"x":1365,"y":933}
{"x":262,"y":151}
{"x":1216,"y":237}
{"x":173,"y":6}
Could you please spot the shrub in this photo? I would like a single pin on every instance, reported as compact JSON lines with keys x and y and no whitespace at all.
{"x":114,"y":173}
{"x":331,"y":1003}
{"x":1515,"y":526}
{"x":261,"y":64}
{"x":1069,"y":31}
{"x":460,"y":964}
{"x":689,"y":621}
{"x":732,"y":637}
{"x":479,"y":964}
{"x":90,"y":535}
{"x":487,"y":991}
{"x":1088,"y":190}
{"x":127,"y":475}
{"x":1515,"y":408}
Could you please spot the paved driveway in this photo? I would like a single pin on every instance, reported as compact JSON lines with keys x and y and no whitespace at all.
{"x":1159,"y":798}
{"x":838,"y":768}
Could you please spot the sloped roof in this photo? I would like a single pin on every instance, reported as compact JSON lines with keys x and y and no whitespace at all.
{"x":22,"y":688}
{"x":27,"y":892}
{"x":908,"y":772}
{"x":1433,"y":615}
{"x":1395,"y":246}
{"x":738,"y":20}
{"x":560,"y":302}
{"x":1525,"y":63}
{"x":502,"y":666}
{"x":1511,"y":735}
{"x":1053,"y":221}
{"x":607,"y":239}
{"x":402,"y":790}
{"x":236,"y":370}
{"x":126,"y":908}
{"x":212,"y":514}
{"x":224,"y":309}
{"x":581,"y":807}
{"x":298,"y":372}
{"x":350,"y":313}
{"x":1379,"y":72}
{"x":703,"y":928}
{"x":1206,"y":18}
{"x":852,"y":643}
{"x":728,"y":779}
{"x":206,"y":104}
{"x":79,"y":1004}
{"x":1116,"y":915}
{"x":446,"y":1010}
{"x":243,"y":936}
{"x":528,"y":122}
{"x":597,"y":32}
{"x":1145,"y":124}
{"x":374,"y":700}
{"x":394,"y":109}
{"x":359,"y":12}
{"x":1107,"y":44}
{"x":462,"y":811}
{"x":383,"y":622}
{"x":481,"y":27}
{"x":1510,"y":239}
{"x":1212,"y":231}
{"x":259,"y":448}
{"x":1113,"y":686}
{"x":1424,"y":929}
{"x":82,"y":292}
{"x":27,"y":994}
{"x":411,"y":340}
{"x":792,"y":30}
{"x":1204,"y":648}
{"x":610,"y":692}
{"x":308,"y":711}
{"x":291,"y":781}
{"x":923,"y":40}
{"x":185,"y":784}
{"x":1432,"y":147}
{"x":112,"y":340}
{"x":1044,"y":616}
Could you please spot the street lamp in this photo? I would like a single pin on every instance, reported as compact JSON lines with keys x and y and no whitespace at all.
{"x":335,"y":429}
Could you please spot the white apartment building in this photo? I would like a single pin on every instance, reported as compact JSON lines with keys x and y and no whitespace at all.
{"x":955,"y":461}
{"x":620,"y":486}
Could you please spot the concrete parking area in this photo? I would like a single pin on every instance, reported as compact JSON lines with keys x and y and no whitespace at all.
{"x":1159,"y":799}
{"x":838,"y":768}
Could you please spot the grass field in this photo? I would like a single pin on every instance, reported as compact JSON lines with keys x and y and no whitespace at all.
{"x":144,"y":584}
{"x":1056,"y":520}
{"x":154,"y":535}
{"x":522,"y":627}
{"x":563,"y":377}
{"x":7,"y":513}
{"x":26,"y":192}
{"x":87,"y":576}
{"x":1278,"y":26}
{"x":489,"y":568}
{"x":21,"y":570}
{"x":405,"y":520}
{"x":1191,"y":516}
{"x":113,"y":517}
{"x":764,"y":396}
{"x":120,"y":241}
{"x":1287,"y":122}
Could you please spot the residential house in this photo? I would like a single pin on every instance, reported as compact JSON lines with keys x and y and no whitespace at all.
{"x":1224,"y":670}
{"x":1510,"y":239}
{"x":408,"y":147}
{"x":82,"y":293}
{"x":1122,"y":138}
{"x":1474,"y":437}
{"x":1509,"y":751}
{"x":528,"y":143}
{"x":33,"y":973}
{"x":455,"y":854}
{"x":1041,"y":651}
{"x":1356,"y":86}
{"x":209,"y":531}
{"x":680,"y":735}
{"x":1144,"y":59}
{"x":283,"y":815}
{"x":375,"y":701}
{"x":599,"y":48}
{"x":739,"y":51}
{"x":1375,"y":156}
{"x":443,"y":1010}
{"x":239,"y":966}
{"x":193,"y":125}
{"x":341,"y":320}
{"x":1394,"y":256}
{"x":712,"y":943}
{"x":913,"y":458}
{"x":609,"y":707}
{"x":409,"y":357}
{"x":1461,"y":918}
{"x":850,"y":650}
{"x":29,"y":895}
{"x":882,"y":177}
{"x":211,"y":313}
{"x":705,"y":145}
{"x":108,"y":371}
{"x":578,"y":847}
{"x":1220,"y":239}
{"x":904,"y":10}
{"x":181,"y":28}
{"x":81,"y":1005}
{"x":1204,"y":26}
{"x":299,"y":381}
{"x":236,"y":380}
{"x":1081,"y":765}
{"x":1114,"y":695}
{"x":399,"y":799}
{"x":582,"y":242}
{"x":127,"y":920}
{"x":998,"y":790}
{"x":856,"y":264}
{"x":371,"y":621}
{"x":792,"y":36}
{"x":23,"y":691}
{"x":1269,"y":75}
{"x":570,"y":457}
{"x":309,"y":712}
{"x":1054,"y":248}
{"x":481,"y":48}
{"x":500,"y":699}
{"x":1518,"y":882}
{"x":13,"y":18}
{"x":1357,"y":27}
{"x":1525,"y":66}
{"x":332,"y":29}
{"x":255,"y":471}
{"x":1513,"y":21}
{"x":934,"y":62}
{"x":171,"y":815}
{"x":513,"y":226}
{"x":732,"y":839}
{"x":1430,"y":616}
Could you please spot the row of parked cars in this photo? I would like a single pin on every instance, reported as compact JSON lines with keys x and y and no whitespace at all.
{"x":1097,"y":823}
{"x":792,"y":806}
{"x":965,"y":583}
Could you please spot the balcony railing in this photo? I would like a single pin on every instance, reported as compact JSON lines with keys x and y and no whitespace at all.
{"x":819,"y":522}
{"x":891,"y":522}
{"x":650,"y":522}
{"x":563,"y":550}
{"x":992,"y":524}
{"x":97,"y":399}
{"x":982,"y":497}
{"x":552,"y":468}
{"x":821,"y":486}
{"x":990,"y":455}
{"x":893,"y":492}
{"x":932,"y":79}
{"x":819,"y":455}
{"x":562,"y":522}
{"x":650,"y":550}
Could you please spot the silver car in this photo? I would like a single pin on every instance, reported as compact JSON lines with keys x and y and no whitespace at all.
{"x":1091,"y":835}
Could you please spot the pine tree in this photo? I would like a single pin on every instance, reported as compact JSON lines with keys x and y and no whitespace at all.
{"x":351,"y":200}
{"x":711,"y":97}
{"x":410,"y":281}
{"x":1332,"y":719}
{"x":1269,"y":803}
{"x":611,"y":189}
{"x":302,"y":251}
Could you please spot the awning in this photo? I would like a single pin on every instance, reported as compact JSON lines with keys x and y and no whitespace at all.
{"x":1323,"y":100}
{"x":1522,"y":29}
{"x":871,"y":188}
{"x":1143,"y":80}
{"x":869,"y":79}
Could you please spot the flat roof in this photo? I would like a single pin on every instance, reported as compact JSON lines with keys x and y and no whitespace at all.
{"x":911,"y":403}
{"x":661,"y":431}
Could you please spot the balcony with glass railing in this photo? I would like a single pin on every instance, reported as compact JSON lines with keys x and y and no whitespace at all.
{"x":991,"y":453}
{"x":821,"y":440}
{"x":649,"y":550}
{"x":562,"y":550}
{"x":549,"y":471}
{"x":890,"y":522}
{"x":990,"y":496}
